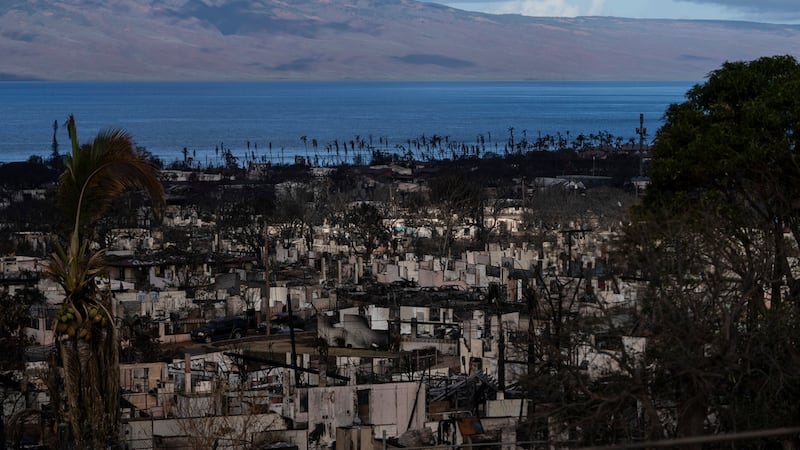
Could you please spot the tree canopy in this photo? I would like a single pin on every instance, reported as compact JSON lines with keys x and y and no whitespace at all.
{"x":716,"y":238}
{"x":735,"y":136}
{"x":731,"y":147}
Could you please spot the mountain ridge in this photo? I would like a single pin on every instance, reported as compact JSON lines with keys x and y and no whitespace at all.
{"x":359,"y":40}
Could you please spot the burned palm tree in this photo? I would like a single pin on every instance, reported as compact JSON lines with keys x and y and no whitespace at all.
{"x":94,"y":175}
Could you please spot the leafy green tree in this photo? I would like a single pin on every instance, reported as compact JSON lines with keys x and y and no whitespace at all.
{"x":717,"y":239}
{"x":713,"y":247}
{"x":94,"y":175}
{"x":734,"y":143}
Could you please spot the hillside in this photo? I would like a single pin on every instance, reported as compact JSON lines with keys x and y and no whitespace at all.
{"x":357,"y":39}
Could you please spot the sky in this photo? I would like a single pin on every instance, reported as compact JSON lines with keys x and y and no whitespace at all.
{"x":771,"y":11}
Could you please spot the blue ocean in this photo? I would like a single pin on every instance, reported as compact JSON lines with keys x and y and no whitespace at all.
{"x":278,"y":119}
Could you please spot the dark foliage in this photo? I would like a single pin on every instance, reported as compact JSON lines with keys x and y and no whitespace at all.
{"x":22,"y":175}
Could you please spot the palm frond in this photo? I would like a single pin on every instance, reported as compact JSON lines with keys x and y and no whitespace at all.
{"x":76,"y":272}
{"x":98,"y":172}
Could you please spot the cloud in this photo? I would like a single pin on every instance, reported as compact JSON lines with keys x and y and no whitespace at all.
{"x":775,"y":11}
{"x":596,"y":8}
{"x":551,"y":8}
{"x":764,"y":6}
{"x":435,"y":60}
{"x":555,"y":8}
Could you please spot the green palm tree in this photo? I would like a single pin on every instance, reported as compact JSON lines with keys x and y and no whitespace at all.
{"x":94,"y":175}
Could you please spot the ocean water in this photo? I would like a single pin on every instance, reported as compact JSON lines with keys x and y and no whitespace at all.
{"x":204,"y":117}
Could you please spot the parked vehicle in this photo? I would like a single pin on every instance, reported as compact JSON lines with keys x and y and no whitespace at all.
{"x":276,"y":329}
{"x":273,"y":328}
{"x":225,"y":328}
{"x":279,"y":324}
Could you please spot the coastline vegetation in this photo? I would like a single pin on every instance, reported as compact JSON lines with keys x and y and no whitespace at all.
{"x":359,"y":150}
{"x":362,"y":150}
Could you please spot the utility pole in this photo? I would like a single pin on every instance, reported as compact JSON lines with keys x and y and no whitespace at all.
{"x":266,"y":276}
{"x":641,"y":131}
{"x":291,"y":336}
{"x":501,"y":350}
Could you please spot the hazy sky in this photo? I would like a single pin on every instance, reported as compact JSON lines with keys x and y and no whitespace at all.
{"x":776,"y":11}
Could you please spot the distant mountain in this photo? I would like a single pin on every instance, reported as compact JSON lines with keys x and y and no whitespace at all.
{"x":357,"y":39}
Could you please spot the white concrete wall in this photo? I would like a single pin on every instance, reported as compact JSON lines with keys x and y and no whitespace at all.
{"x":507,"y":408}
{"x":336,"y":406}
{"x":201,"y":432}
{"x":378,"y":317}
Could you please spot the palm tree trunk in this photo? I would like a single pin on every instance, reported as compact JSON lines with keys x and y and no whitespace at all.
{"x":91,"y":381}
